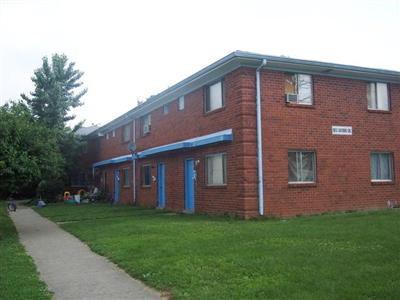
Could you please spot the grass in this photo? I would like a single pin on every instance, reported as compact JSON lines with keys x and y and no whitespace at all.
{"x":18,"y":276}
{"x":336,"y":256}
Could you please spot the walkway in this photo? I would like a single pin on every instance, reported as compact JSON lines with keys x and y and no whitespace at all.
{"x":70,"y":269}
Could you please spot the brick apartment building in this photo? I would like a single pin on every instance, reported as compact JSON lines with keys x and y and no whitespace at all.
{"x":258,"y":135}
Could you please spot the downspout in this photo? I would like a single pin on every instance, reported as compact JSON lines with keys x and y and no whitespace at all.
{"x":134,"y":163}
{"x":259,"y":141}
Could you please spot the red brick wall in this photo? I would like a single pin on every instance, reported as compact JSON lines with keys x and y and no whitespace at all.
{"x":192,"y":122}
{"x":343,"y":162}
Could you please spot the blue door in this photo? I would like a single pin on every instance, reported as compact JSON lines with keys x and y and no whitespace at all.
{"x":116,"y":186}
{"x":161,"y":185}
{"x":190,"y":175}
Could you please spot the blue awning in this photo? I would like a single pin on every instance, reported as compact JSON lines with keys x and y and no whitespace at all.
{"x":216,"y":137}
{"x":115,"y":160}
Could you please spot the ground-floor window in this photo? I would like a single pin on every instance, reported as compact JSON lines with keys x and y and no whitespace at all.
{"x":126,"y":177}
{"x":381,"y":166}
{"x":301,"y":166}
{"x":216,"y":169}
{"x":145,"y":171}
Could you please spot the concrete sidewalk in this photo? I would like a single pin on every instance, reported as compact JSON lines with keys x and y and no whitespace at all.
{"x":70,"y":269}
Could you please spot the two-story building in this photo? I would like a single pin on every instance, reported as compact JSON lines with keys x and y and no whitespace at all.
{"x":259,"y":135}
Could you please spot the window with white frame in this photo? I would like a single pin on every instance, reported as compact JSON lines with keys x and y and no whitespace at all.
{"x":216,"y":169}
{"x":378,"y":96}
{"x":126,"y":134}
{"x":146,"y":124}
{"x":301,"y":166}
{"x":113,"y":133}
{"x":214,"y":96}
{"x":166,"y":109}
{"x":107,"y":136}
{"x":298,"y":88}
{"x":146,"y":175}
{"x":381,"y":166}
{"x":181,"y":103}
{"x":126,"y":177}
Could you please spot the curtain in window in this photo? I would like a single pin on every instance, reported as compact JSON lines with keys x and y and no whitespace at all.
{"x":375,"y":166}
{"x":146,"y":123}
{"x":381,"y":166}
{"x":126,"y":177}
{"x":301,"y":166}
{"x":215,"y":96}
{"x":216,"y":170}
{"x":382,"y":95}
{"x":127,"y":133}
{"x":181,"y":103}
{"x":290,"y":83}
{"x":293,"y":167}
{"x":304,"y":89}
{"x":371,"y":95}
{"x":307,"y":166}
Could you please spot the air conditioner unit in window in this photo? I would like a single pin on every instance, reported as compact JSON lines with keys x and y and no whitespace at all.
{"x":291,"y":98}
{"x":146,"y":128}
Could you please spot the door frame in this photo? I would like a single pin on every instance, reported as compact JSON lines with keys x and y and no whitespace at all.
{"x":161,"y":184}
{"x":116,"y":185}
{"x":189,"y":186}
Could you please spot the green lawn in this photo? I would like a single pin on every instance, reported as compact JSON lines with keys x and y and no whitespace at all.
{"x":337,"y":256}
{"x":18,"y":275}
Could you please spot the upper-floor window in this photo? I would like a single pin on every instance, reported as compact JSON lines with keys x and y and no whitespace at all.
{"x":298,"y":88}
{"x":126,"y":177}
{"x":146,"y":124}
{"x":378,"y":96}
{"x":126,"y":136}
{"x":214,"y":96}
{"x":166,"y":109}
{"x":216,"y":169}
{"x":113,"y":133}
{"x":381,"y":166}
{"x":301,"y":166}
{"x":107,"y":136}
{"x":181,"y":103}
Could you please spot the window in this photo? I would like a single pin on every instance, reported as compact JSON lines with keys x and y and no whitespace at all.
{"x":378,"y":96}
{"x":216,"y":169}
{"x":146,"y":175}
{"x":381,"y":166}
{"x":126,"y":176}
{"x":166,"y":109}
{"x":214,"y":96}
{"x":298,"y":88}
{"x":113,"y":133}
{"x":181,"y":103}
{"x":126,"y":136}
{"x":107,"y":136}
{"x":146,"y":124}
{"x":301,"y":166}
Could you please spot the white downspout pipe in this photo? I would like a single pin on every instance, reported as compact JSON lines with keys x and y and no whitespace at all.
{"x":259,"y":141}
{"x":134,"y":164}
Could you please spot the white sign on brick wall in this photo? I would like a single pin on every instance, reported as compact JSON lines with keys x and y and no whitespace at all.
{"x":342,"y":130}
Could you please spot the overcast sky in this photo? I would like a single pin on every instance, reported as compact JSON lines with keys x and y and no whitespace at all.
{"x":130,"y":50}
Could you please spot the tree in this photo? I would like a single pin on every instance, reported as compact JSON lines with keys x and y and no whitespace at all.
{"x":29,"y":152}
{"x":55,"y":91}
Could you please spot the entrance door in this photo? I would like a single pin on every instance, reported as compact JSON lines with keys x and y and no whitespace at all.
{"x":161,"y":185}
{"x":116,"y":186}
{"x":189,"y":185}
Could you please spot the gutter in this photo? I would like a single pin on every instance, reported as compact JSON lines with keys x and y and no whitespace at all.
{"x":259,"y":141}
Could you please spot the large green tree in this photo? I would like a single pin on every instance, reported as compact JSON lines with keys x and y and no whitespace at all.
{"x":29,"y":151}
{"x":56,"y":91}
{"x":38,"y":151}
